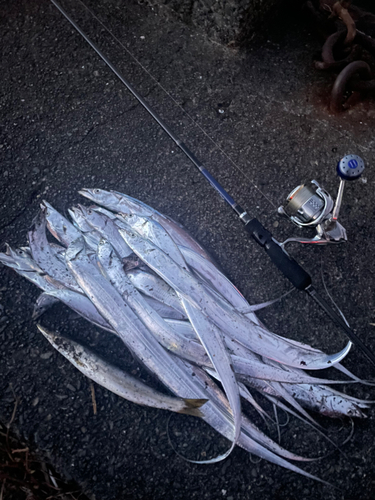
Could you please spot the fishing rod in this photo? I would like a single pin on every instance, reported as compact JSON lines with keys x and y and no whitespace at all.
{"x":299,"y":278}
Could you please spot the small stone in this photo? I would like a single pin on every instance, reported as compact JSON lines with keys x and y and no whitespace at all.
{"x":276,"y":223}
{"x":35,"y":401}
{"x":36,"y":170}
{"x":5,"y":173}
{"x":61,"y":396}
{"x":71,"y":387}
{"x":46,"y":355}
{"x":2,"y":327}
{"x":83,"y":430}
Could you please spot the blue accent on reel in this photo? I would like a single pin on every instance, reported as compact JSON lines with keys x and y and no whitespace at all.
{"x":350,"y":167}
{"x":353,"y":164}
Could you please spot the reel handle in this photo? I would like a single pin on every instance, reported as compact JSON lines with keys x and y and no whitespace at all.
{"x":349,"y":168}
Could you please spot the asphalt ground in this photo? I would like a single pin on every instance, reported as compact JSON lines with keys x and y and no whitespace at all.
{"x":67,"y":123}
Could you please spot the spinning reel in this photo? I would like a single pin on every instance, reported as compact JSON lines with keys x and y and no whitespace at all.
{"x":310,"y":205}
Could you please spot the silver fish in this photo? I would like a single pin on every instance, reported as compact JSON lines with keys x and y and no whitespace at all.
{"x":221,"y":283}
{"x":327,"y":401}
{"x":213,"y":341}
{"x":91,"y":236}
{"x":155,"y":232}
{"x":80,"y":304}
{"x":171,"y":338}
{"x":251,"y":439}
{"x":108,"y":229}
{"x":119,"y":202}
{"x":44,"y":256}
{"x":146,"y":348}
{"x":235,"y":325}
{"x":137,"y":337}
{"x":24,"y":265}
{"x":166,"y":312}
{"x":112,"y":268}
{"x":118,"y":381}
{"x":208,"y":271}
{"x":59,"y":226}
{"x":155,"y":287}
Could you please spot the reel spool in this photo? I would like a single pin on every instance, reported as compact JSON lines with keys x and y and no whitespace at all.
{"x":310,"y":205}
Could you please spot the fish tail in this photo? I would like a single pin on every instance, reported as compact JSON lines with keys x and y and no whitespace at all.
{"x":192,"y":407}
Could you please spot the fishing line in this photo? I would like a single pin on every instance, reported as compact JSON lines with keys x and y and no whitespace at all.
{"x":328,"y":293}
{"x":178,"y":453}
{"x":194,"y":122}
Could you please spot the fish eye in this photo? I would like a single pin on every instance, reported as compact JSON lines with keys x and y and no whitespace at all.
{"x":97,"y":191}
{"x":89,"y":211}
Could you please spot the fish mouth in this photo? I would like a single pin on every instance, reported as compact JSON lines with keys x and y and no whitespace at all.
{"x":81,"y":209}
{"x":87,"y":193}
{"x":91,"y":193}
{"x":45,"y":205}
{"x":51,"y":336}
{"x":8,"y":260}
{"x":55,"y":339}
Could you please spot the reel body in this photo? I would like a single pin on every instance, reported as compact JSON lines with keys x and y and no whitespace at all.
{"x":310,"y":205}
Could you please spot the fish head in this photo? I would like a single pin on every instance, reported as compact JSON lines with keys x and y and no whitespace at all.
{"x":102,"y":197}
{"x":74,"y":219}
{"x":95,"y":219}
{"x":68,"y":348}
{"x":7,"y":258}
{"x":52,"y":215}
{"x":77,"y":215}
{"x":57,"y":224}
{"x":19,"y":259}
{"x":48,"y":209}
{"x":127,"y":204}
{"x":50,"y":336}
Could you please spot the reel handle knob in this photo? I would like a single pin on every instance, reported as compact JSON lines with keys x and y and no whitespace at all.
{"x":350,"y":167}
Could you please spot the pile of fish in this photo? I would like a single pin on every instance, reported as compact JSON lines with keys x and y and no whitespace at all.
{"x":139,"y":275}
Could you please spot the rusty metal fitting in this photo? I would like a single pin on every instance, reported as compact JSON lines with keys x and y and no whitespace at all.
{"x":329,"y":61}
{"x":342,"y":83}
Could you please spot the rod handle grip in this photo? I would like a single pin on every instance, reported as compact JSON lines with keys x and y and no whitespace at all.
{"x":299,"y":278}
